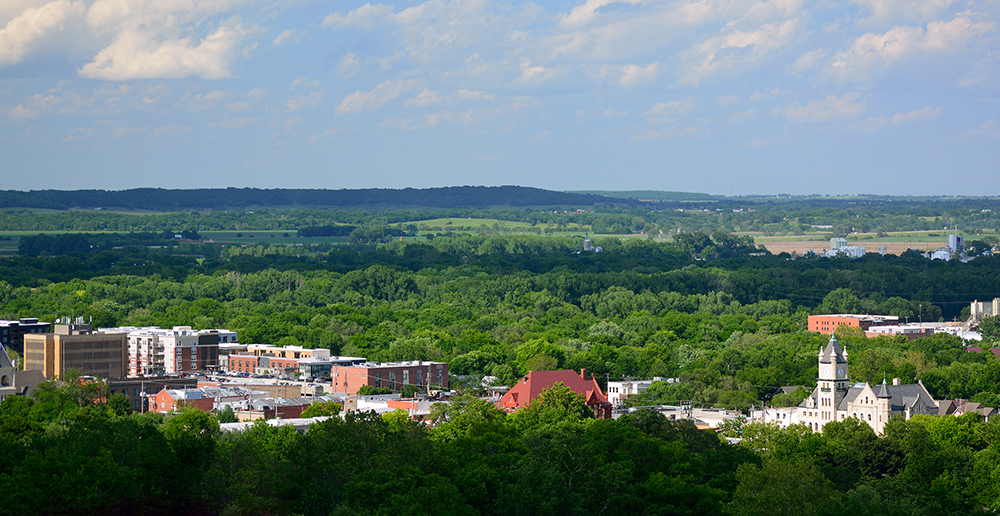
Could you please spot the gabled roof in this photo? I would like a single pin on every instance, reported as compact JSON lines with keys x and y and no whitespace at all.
{"x":532,"y":385}
{"x":900,"y":396}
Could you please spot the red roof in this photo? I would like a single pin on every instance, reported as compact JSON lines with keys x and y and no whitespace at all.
{"x":532,"y":385}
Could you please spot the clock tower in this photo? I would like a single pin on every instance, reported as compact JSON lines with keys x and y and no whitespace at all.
{"x":832,"y":381}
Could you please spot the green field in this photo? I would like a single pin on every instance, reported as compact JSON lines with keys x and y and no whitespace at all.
{"x":469,"y":225}
{"x":250,"y":237}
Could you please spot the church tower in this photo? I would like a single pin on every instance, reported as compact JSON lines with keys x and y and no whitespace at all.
{"x":832,"y":381}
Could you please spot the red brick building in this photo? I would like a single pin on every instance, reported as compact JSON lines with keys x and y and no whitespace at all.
{"x":391,"y":375}
{"x":829,"y":323}
{"x":527,"y":389}
{"x":203,"y":398}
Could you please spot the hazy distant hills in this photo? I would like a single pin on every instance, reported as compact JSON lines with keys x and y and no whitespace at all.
{"x":158,"y":199}
{"x":654,"y":195}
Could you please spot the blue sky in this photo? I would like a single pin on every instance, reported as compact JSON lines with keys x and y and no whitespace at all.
{"x":718,"y":96}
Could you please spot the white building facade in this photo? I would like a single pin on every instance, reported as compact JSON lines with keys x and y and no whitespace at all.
{"x":836,"y":398}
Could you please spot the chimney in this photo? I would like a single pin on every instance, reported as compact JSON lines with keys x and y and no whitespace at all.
{"x":583,"y":374}
{"x":895,"y":381}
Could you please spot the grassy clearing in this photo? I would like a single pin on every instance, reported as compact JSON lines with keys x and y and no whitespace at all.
{"x":279,"y":237}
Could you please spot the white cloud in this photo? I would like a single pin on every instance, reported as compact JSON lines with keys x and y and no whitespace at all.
{"x":19,"y":112}
{"x":216,"y":95}
{"x":79,"y":133}
{"x":830,"y":108}
{"x":738,"y":49}
{"x":137,"y":54}
{"x":742,"y":116}
{"x":671,"y":108}
{"x":237,"y":123}
{"x":313,"y":138}
{"x":635,"y":75}
{"x":17,"y":38}
{"x":726,"y":100}
{"x":808,"y":61}
{"x":370,"y":100}
{"x":348,"y":64}
{"x":256,"y":94}
{"x":303,"y":101}
{"x":875,"y":51}
{"x":987,"y":129}
{"x":284,"y":37}
{"x":424,"y":98}
{"x":611,"y":112}
{"x":429,"y":121}
{"x":584,"y":14}
{"x":364,"y":17}
{"x":474,"y":95}
{"x":666,"y":132}
{"x":917,"y":114}
{"x":889,"y":11}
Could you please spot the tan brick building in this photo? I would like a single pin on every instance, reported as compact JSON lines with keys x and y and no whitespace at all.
{"x":76,"y":347}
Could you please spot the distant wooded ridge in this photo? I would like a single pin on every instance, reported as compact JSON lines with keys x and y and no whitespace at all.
{"x":159,"y":199}
{"x":653,"y":195}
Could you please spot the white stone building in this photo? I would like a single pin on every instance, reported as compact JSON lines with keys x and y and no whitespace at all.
{"x":836,"y":398}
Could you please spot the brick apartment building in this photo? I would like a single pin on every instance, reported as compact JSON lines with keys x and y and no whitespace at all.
{"x":392,"y":375}
{"x":156,"y":351}
{"x":76,"y":347}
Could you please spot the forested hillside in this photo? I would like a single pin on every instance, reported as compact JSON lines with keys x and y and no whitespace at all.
{"x":158,"y":199}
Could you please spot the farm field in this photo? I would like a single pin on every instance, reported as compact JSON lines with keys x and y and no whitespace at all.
{"x":895,"y":243}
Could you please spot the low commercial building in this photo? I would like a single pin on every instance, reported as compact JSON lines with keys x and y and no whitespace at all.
{"x":347,"y":379}
{"x":202,"y":398}
{"x":140,"y":391}
{"x":909,"y":331}
{"x":76,"y":347}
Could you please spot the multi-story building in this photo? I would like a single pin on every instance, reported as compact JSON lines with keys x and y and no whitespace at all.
{"x":829,"y":323}
{"x":347,"y":379}
{"x":76,"y":347}
{"x":12,"y":332}
{"x":156,"y":351}
{"x":282,"y":365}
{"x":836,"y":398}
